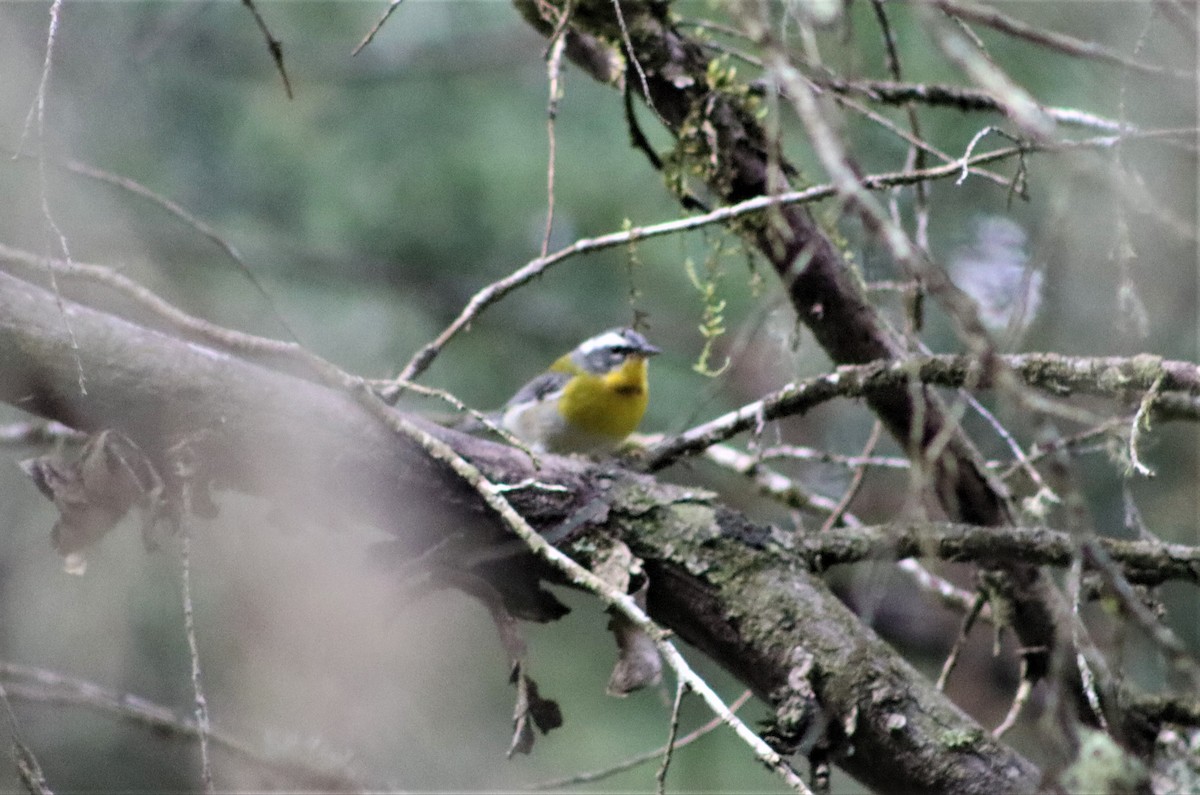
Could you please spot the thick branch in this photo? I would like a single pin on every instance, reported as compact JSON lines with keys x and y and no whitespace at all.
{"x":714,"y":580}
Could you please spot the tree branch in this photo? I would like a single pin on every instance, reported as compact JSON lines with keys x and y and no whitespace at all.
{"x":714,"y":578}
{"x":1143,"y":562}
{"x":1112,"y":376}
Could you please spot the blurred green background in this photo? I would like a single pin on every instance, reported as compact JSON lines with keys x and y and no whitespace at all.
{"x":372,"y":206}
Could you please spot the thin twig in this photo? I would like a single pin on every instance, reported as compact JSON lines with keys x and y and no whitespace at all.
{"x":367,"y":39}
{"x":37,"y":115}
{"x":856,"y":480}
{"x":1023,"y":461}
{"x":554,"y":77}
{"x":964,"y":98}
{"x":915,"y":159}
{"x":273,"y":45}
{"x":203,"y":726}
{"x":802,"y":453}
{"x":1141,"y":420}
{"x":914,"y":141}
{"x":968,"y":54}
{"x":947,"y":593}
{"x":1087,"y":677}
{"x":769,"y":482}
{"x":40,"y":685}
{"x":163,"y":310}
{"x":964,"y":630}
{"x":1076,"y":442}
{"x":640,"y":759}
{"x":660,"y":778}
{"x":631,"y":54}
{"x":175,"y":209}
{"x":1099,"y":556}
{"x":485,"y":420}
{"x":28,"y":767}
{"x":990,"y":17}
{"x":1020,"y":699}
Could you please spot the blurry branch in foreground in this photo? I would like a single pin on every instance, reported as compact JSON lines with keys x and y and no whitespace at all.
{"x":41,"y":686}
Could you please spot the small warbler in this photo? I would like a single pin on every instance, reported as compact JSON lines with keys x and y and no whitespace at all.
{"x":589,"y":400}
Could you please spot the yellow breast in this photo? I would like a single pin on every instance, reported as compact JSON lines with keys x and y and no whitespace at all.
{"x":608,"y":405}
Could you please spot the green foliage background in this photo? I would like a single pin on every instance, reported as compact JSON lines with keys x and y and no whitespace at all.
{"x":371,"y":206}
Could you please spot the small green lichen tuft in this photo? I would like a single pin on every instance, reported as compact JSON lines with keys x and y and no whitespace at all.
{"x":961,"y":739}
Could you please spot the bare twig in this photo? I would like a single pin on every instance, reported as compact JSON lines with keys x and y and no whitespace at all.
{"x":1099,"y":555}
{"x":914,"y":141}
{"x":37,"y":117}
{"x":856,"y":480}
{"x":203,"y":726}
{"x":961,"y":97}
{"x":1087,"y":677}
{"x":1023,"y":461}
{"x":967,"y":53}
{"x":660,"y":778}
{"x":631,"y":54}
{"x":916,"y":153}
{"x":986,"y":15}
{"x":947,"y":593}
{"x":640,"y":759}
{"x":963,"y":631}
{"x":824,"y":456}
{"x":175,"y":209}
{"x":273,"y":45}
{"x":769,"y":483}
{"x":1020,"y":699}
{"x":485,"y":420}
{"x":41,"y":685}
{"x":1141,"y":421}
{"x":163,"y":310}
{"x":367,"y":39}
{"x":558,"y":47}
{"x":28,"y":768}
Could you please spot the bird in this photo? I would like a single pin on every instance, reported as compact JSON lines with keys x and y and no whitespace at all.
{"x":589,"y":400}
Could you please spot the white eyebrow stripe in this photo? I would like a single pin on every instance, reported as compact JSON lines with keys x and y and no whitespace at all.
{"x":609,"y":339}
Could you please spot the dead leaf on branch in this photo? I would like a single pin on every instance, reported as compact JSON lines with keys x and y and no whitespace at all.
{"x":530,"y":710}
{"x":95,"y":490}
{"x":638,"y":662}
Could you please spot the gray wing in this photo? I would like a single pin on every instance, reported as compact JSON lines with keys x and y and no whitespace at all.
{"x":539,"y":388}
